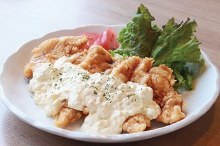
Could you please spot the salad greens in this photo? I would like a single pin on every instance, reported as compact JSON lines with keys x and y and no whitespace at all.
{"x":174,"y":45}
{"x":138,"y":37}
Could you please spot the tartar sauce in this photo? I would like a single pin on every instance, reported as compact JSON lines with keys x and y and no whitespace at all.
{"x":109,"y":100}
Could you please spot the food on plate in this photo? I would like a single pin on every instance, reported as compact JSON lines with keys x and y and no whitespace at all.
{"x":175,"y":45}
{"x":109,"y":101}
{"x":160,"y":79}
{"x":52,"y":49}
{"x":106,"y":39}
{"x":116,"y":86}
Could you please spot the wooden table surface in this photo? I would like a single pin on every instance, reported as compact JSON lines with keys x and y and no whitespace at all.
{"x":22,"y":20}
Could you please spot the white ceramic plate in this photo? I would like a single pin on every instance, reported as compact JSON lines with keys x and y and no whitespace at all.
{"x":17,"y":98}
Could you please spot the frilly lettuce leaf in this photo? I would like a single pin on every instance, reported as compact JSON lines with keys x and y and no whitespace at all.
{"x":177,"y":47}
{"x":139,"y":35}
{"x":177,"y":43}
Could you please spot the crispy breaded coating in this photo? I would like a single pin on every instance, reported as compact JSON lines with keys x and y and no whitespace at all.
{"x":97,"y":60}
{"x":172,"y":109}
{"x":38,"y":55}
{"x":78,"y":57}
{"x":136,"y":123}
{"x":68,"y":45}
{"x":67,"y":115}
{"x":141,"y":74}
{"x":162,"y":80}
{"x":45,"y":47}
{"x":125,"y":69}
{"x":52,"y":49}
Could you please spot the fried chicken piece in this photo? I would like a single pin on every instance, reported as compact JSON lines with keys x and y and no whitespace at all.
{"x":97,"y":60}
{"x":45,"y":47}
{"x":160,"y":78}
{"x":125,"y":69}
{"x":164,"y":72}
{"x":141,"y":74}
{"x":67,"y":46}
{"x":52,"y":49}
{"x":162,"y":81}
{"x":172,"y":109}
{"x":67,"y":115}
{"x":136,"y":123}
{"x":38,"y":55}
{"x":77,"y":58}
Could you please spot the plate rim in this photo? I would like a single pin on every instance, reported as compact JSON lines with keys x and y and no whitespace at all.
{"x":111,"y":138}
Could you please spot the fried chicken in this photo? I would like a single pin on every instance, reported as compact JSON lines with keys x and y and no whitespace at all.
{"x":160,"y":79}
{"x":52,"y":49}
{"x":97,"y":59}
{"x":172,"y":108}
{"x":126,"y":68}
{"x":136,"y":123}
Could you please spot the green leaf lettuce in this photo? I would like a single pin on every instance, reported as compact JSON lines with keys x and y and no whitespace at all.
{"x":177,"y":47}
{"x":139,"y":35}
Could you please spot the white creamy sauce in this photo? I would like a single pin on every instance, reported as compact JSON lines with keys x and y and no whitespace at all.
{"x":110,"y":101}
